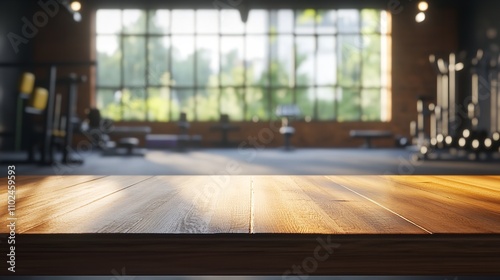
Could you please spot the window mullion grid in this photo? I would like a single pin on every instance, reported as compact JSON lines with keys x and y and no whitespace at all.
{"x":244,"y":88}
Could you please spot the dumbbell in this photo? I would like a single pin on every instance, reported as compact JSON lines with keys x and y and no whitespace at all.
{"x":475,"y":141}
{"x":451,"y":142}
{"x":493,"y":143}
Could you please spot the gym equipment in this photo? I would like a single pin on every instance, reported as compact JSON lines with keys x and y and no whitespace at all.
{"x":224,"y":127}
{"x":368,"y":135}
{"x":183,"y":138}
{"x":287,"y":112}
{"x":26,"y":85}
{"x":39,"y":98}
{"x":98,"y":130}
{"x":41,"y":103}
{"x":472,"y":133}
{"x":129,"y":144}
{"x":68,"y":122}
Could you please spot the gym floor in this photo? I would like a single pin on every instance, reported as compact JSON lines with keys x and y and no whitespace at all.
{"x":261,"y":162}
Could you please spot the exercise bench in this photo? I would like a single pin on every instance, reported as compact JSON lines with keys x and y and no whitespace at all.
{"x":368,"y":135}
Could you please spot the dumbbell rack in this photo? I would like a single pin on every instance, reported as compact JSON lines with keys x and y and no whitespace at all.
{"x":455,"y":133}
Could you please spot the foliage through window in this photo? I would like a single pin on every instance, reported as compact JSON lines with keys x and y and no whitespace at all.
{"x":154,"y":64}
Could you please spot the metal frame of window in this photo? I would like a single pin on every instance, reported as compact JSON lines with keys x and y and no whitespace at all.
{"x":241,"y":90}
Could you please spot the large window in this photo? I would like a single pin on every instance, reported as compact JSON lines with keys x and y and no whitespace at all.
{"x":154,"y":64}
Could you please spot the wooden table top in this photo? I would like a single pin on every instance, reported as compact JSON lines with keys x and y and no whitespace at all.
{"x":256,"y":204}
{"x":255,"y":225}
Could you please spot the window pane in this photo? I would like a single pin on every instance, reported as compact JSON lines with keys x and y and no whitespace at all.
{"x":326,"y":61}
{"x":370,"y":21}
{"x":348,"y":21}
{"x":134,"y":21}
{"x":182,"y":21}
{"x":207,"y":21}
{"x":159,"y":60}
{"x":183,"y":101}
{"x":207,"y":105}
{"x":109,"y":58}
{"x":371,"y":61}
{"x":384,"y":101}
{"x":108,"y":21}
{"x":281,"y":21}
{"x":134,"y":64}
{"x":257,"y":60}
{"x":385,"y":41}
{"x":232,"y":60}
{"x":257,"y":104}
{"x":326,"y":71}
{"x":326,"y":103}
{"x":326,"y":21}
{"x":384,"y":22}
{"x":281,"y":97}
{"x":134,"y":104}
{"x":258,"y":21}
{"x":282,"y":60}
{"x":305,"y":101}
{"x":207,"y":60}
{"x":158,"y":100}
{"x":372,"y":105}
{"x":231,"y":103}
{"x":159,"y":21}
{"x":109,"y":104}
{"x":348,"y":104}
{"x":230,"y":22}
{"x":183,"y":60}
{"x":304,"y":21}
{"x":349,"y":60}
{"x":305,"y":59}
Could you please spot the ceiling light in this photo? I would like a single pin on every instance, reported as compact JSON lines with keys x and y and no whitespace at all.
{"x":423,"y":6}
{"x":420,"y":17}
{"x":75,"y":6}
{"x":77,"y":17}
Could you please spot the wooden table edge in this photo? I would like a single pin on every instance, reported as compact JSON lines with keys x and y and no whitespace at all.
{"x":257,"y":254}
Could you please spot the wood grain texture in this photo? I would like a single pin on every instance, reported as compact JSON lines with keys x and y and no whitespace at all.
{"x":168,"y":204}
{"x":352,"y":213}
{"x":409,"y":197}
{"x":281,"y":206}
{"x":27,"y":186}
{"x":47,"y":206}
{"x":257,"y":204}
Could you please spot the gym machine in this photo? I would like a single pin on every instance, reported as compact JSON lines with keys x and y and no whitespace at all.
{"x":45,"y":107}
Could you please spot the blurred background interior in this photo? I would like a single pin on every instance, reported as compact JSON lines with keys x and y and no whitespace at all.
{"x":250,"y":87}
